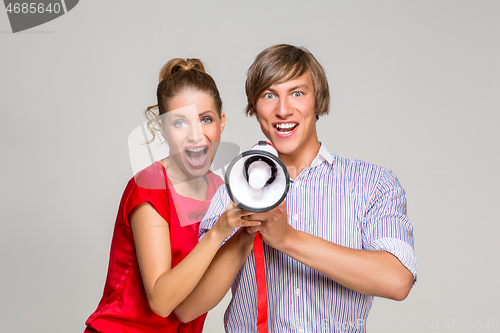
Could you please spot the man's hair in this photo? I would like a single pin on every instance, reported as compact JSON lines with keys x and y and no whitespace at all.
{"x":281,"y":63}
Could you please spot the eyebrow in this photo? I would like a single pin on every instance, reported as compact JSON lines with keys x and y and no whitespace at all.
{"x":300,"y":86}
{"x":177,"y":115}
{"x":208,"y":111}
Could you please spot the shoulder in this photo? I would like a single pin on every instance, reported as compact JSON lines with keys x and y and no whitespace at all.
{"x":214,"y":182}
{"x":360,"y":173}
{"x":356,"y":167}
{"x":214,"y":179}
{"x":152,"y":177}
{"x":148,"y":185}
{"x":345,"y":166}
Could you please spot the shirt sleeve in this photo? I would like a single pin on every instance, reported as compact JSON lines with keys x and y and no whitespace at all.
{"x":217,"y":206}
{"x":386,"y":226}
{"x":148,"y":186}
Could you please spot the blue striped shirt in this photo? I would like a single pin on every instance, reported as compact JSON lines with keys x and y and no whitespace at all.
{"x":345,"y":201}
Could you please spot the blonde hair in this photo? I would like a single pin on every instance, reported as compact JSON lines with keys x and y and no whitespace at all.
{"x":178,"y":76}
{"x":281,"y":63}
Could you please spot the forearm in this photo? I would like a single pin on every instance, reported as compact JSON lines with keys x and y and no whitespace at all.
{"x":374,"y":273}
{"x":173,"y":286}
{"x":218,"y":278}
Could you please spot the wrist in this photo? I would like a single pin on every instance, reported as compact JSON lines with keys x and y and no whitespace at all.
{"x":221,"y":229}
{"x":287,"y":242}
{"x":245,"y":239}
{"x":215,"y":235}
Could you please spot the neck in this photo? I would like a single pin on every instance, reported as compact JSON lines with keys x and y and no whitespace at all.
{"x":188,"y":183}
{"x":298,"y":161}
{"x":184,"y":184}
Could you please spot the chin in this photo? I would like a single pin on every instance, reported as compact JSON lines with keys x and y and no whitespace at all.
{"x":197,"y":172}
{"x":284,"y":147}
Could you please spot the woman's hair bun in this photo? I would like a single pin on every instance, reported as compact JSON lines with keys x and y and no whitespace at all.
{"x":178,"y":65}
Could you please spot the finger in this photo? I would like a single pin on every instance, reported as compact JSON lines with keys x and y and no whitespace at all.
{"x":242,"y":211}
{"x":240,"y":214}
{"x":252,"y":223}
{"x":243,"y":223}
{"x":233,"y":206}
{"x":252,"y":230}
{"x":255,"y":216}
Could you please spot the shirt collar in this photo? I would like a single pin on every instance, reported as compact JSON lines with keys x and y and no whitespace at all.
{"x":323,"y":155}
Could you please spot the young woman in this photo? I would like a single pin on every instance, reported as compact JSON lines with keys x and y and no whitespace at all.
{"x":156,"y":259}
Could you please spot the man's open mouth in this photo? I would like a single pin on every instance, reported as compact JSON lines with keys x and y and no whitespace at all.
{"x":285,"y":128}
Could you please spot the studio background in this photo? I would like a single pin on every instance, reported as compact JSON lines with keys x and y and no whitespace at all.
{"x":415,"y":88}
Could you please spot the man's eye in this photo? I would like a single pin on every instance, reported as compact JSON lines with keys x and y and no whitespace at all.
{"x":206,"y":120}
{"x":297,"y":94}
{"x":268,"y":95}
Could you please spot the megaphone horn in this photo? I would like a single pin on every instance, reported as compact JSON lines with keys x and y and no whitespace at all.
{"x":259,"y":171}
{"x":257,"y":180}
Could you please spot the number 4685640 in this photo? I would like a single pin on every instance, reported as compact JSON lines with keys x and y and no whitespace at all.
{"x":471,"y":324}
{"x":33,"y":8}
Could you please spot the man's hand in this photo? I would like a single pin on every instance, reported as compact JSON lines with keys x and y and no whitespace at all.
{"x":274,"y":227}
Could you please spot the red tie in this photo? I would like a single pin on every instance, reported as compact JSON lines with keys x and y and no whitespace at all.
{"x":260,"y":276}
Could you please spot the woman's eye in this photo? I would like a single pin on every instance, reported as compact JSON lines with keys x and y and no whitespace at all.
{"x":268,"y":95}
{"x":206,"y":120}
{"x":179,"y":123}
{"x":297,"y":94}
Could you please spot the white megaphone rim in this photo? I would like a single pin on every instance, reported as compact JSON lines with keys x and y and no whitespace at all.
{"x":256,"y":152}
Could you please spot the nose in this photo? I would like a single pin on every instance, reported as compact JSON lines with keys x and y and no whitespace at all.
{"x":195,"y":134}
{"x":284,"y":108}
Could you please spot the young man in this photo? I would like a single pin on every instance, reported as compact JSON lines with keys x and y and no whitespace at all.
{"x":342,"y":235}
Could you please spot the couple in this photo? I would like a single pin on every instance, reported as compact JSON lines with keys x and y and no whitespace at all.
{"x":341,"y":236}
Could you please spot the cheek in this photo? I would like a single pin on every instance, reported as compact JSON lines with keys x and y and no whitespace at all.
{"x":311,"y":105}
{"x":263,"y":124}
{"x":212,"y":132}
{"x":174,"y":140}
{"x":266,"y":112}
{"x":174,"y":146}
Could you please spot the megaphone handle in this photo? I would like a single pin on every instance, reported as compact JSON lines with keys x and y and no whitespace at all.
{"x":260,"y":276}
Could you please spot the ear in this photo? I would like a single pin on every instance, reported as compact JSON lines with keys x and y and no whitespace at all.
{"x":222,"y":121}
{"x":161,"y":129}
{"x":254,"y":113}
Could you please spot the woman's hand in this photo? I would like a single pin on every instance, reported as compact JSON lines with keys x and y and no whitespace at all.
{"x":233,"y":217}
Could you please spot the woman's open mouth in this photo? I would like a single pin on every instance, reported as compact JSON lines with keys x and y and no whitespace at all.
{"x":196,"y":156}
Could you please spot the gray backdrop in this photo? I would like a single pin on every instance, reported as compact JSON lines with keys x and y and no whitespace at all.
{"x":415,"y":88}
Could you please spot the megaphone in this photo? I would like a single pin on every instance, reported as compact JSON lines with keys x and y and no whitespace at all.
{"x":257,"y":180}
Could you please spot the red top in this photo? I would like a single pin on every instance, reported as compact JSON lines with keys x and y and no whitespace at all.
{"x":124,"y":305}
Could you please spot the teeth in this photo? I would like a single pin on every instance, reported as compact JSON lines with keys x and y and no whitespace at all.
{"x":195,"y":150}
{"x":286,"y":125}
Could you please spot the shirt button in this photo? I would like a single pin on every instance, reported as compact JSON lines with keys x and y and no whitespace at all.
{"x":296,"y":217}
{"x":297,"y":292}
